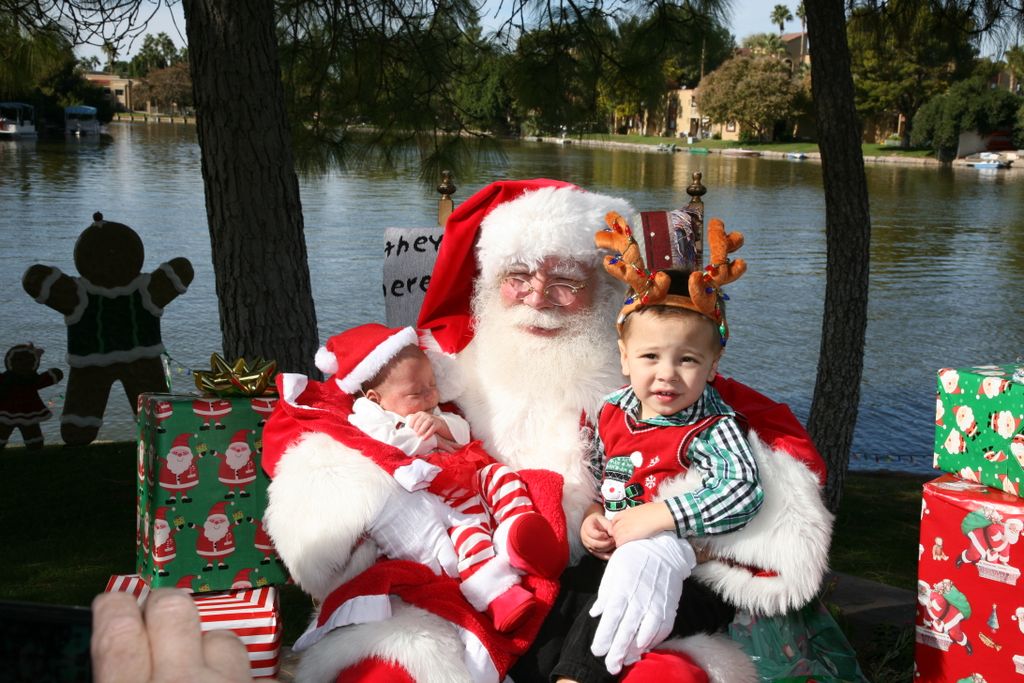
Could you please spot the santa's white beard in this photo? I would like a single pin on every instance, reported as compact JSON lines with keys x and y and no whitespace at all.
{"x":161,"y":532}
{"x":215,"y":530}
{"x":237,"y":458}
{"x":177,"y":463}
{"x":525,"y":393}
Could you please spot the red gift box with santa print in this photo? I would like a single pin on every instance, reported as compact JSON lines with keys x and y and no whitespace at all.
{"x":970,"y":613}
{"x":979,"y":425}
{"x":202,"y":492}
{"x":253,"y":614}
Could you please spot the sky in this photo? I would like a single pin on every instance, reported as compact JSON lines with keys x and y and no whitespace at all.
{"x":748,"y":17}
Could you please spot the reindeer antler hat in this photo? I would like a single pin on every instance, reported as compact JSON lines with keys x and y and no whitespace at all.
{"x":652,"y":288}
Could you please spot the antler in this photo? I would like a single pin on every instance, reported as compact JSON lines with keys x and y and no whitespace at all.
{"x":705,"y":286}
{"x":627,"y":264}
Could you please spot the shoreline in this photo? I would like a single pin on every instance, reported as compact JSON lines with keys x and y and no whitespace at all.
{"x":769,"y":154}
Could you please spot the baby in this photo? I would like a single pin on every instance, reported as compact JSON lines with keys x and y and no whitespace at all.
{"x":496,"y":532}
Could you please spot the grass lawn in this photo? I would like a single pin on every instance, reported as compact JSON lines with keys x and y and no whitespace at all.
{"x":68,"y":517}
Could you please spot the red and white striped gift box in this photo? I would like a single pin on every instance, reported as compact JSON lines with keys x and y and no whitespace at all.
{"x":252,"y":614}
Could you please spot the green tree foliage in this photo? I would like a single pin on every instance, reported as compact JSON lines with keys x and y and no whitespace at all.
{"x":169,"y":88}
{"x":751,"y":90}
{"x":1014,"y":58}
{"x":156,"y":52}
{"x":415,"y":76}
{"x":28,"y":57}
{"x":780,"y":15}
{"x":765,"y":45}
{"x":969,"y":105}
{"x":556,"y":72}
{"x":903,"y":54}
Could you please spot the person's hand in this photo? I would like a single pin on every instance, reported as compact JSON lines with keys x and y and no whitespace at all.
{"x":642,"y":521}
{"x":165,"y":646}
{"x":594,"y":533}
{"x":638,"y":598}
{"x":424,"y":424}
{"x":447,"y":445}
{"x":414,"y":526}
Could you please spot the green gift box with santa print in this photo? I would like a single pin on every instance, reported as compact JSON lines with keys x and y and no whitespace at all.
{"x":202,"y":493}
{"x":979,"y":425}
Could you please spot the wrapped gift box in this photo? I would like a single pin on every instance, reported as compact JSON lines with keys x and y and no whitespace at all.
{"x":252,"y":614}
{"x":979,"y":413}
{"x":202,"y":493}
{"x":970,"y":614}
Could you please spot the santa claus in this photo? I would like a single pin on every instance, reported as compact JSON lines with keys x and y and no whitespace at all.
{"x":216,"y":542}
{"x":179,"y":472}
{"x":529,"y":371}
{"x":990,"y":536}
{"x":945,"y":608}
{"x":237,"y":469}
{"x":164,"y":547}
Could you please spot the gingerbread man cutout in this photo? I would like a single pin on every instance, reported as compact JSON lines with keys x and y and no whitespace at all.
{"x":20,"y":405}
{"x":112,"y":312}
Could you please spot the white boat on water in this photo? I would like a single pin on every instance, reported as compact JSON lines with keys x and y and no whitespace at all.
{"x":991,"y":164}
{"x":80,"y":119}
{"x":989,"y":160}
{"x":17,"y":120}
{"x":799,"y":156}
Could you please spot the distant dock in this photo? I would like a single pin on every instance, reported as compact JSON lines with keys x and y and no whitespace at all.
{"x":143,"y":117}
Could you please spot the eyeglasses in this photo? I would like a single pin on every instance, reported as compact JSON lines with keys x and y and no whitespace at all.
{"x":556,"y":293}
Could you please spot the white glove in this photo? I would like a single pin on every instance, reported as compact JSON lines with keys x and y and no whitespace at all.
{"x":414,"y":526}
{"x":638,"y":597}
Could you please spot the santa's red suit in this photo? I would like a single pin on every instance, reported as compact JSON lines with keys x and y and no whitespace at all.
{"x":235,"y":477}
{"x":164,"y":552}
{"x":215,"y":549}
{"x":944,"y":617}
{"x":384,"y":620}
{"x":180,"y":474}
{"x":211,"y":410}
{"x":991,"y":542}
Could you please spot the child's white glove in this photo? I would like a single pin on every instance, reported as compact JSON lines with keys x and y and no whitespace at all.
{"x":414,"y":526}
{"x":638,"y":598}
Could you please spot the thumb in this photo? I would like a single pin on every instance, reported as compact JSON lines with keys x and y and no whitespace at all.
{"x":598,"y":607}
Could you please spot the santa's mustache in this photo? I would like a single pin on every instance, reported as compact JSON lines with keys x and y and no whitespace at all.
{"x":545,"y":319}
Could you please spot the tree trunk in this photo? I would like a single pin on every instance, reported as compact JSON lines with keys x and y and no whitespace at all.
{"x":848,"y":239}
{"x":252,"y":192}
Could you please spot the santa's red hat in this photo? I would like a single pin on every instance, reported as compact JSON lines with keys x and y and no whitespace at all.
{"x":181,"y":441}
{"x":242,"y":579}
{"x":356,"y":355}
{"x":507,"y":222}
{"x":218,"y":509}
{"x":185,"y":582}
{"x":161,"y":513}
{"x":241,"y":436}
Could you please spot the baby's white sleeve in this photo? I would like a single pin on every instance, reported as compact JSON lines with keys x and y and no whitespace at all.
{"x":458,"y":427}
{"x":379,"y":424}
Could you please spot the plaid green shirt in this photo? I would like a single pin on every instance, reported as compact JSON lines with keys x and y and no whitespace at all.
{"x":730,"y":493}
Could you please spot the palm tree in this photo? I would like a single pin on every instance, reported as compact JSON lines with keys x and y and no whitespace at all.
{"x":780,"y":15}
{"x":801,"y":14}
{"x":110,"y":52}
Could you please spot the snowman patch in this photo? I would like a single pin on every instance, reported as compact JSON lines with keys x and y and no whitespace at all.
{"x":615,"y":492}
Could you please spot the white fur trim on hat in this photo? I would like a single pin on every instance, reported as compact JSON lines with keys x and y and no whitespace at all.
{"x":546,"y":222}
{"x":326,"y":362}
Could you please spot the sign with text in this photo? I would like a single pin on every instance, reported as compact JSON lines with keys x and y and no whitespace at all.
{"x":409,"y":255}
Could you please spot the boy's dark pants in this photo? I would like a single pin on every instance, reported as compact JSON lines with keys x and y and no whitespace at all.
{"x":562,"y":647}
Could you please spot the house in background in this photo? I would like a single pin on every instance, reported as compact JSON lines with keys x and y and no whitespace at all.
{"x":118,"y":89}
{"x":686,"y":121}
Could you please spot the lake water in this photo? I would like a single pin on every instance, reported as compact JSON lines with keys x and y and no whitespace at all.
{"x":947,"y":258}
